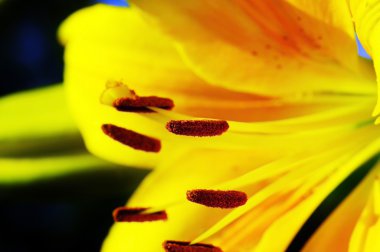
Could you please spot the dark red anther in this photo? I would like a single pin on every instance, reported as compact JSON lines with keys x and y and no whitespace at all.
{"x":200,"y":128}
{"x":129,"y":214}
{"x":217,"y":198}
{"x":180,"y":246}
{"x":132,"y":139}
{"x":141,"y":104}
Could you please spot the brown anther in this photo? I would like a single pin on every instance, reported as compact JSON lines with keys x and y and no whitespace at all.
{"x":132,"y":139}
{"x":200,"y":128}
{"x":130,"y":214}
{"x":180,"y":246}
{"x":141,"y":104}
{"x":217,"y":198}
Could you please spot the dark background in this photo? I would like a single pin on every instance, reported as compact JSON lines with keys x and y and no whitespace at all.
{"x":30,"y":55}
{"x":68,"y":213}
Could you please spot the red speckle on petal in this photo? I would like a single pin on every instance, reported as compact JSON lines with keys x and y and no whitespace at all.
{"x":254,"y":53}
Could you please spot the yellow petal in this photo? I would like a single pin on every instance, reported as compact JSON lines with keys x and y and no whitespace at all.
{"x":284,"y":194}
{"x":293,"y":219}
{"x":164,"y":188}
{"x":365,"y":234}
{"x":340,"y":224}
{"x":105,"y":43}
{"x":266,"y":47}
{"x":101,"y":46}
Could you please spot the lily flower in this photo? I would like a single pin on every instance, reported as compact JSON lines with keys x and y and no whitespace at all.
{"x":251,"y":112}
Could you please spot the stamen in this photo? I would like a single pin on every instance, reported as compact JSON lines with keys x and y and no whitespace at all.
{"x":200,"y":128}
{"x":132,"y":139}
{"x":128,"y":214}
{"x":141,"y":104}
{"x":217,"y":198}
{"x":180,"y":246}
{"x":118,"y":95}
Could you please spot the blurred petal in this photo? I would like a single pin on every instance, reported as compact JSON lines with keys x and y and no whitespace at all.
{"x":36,"y":121}
{"x":25,"y":170}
